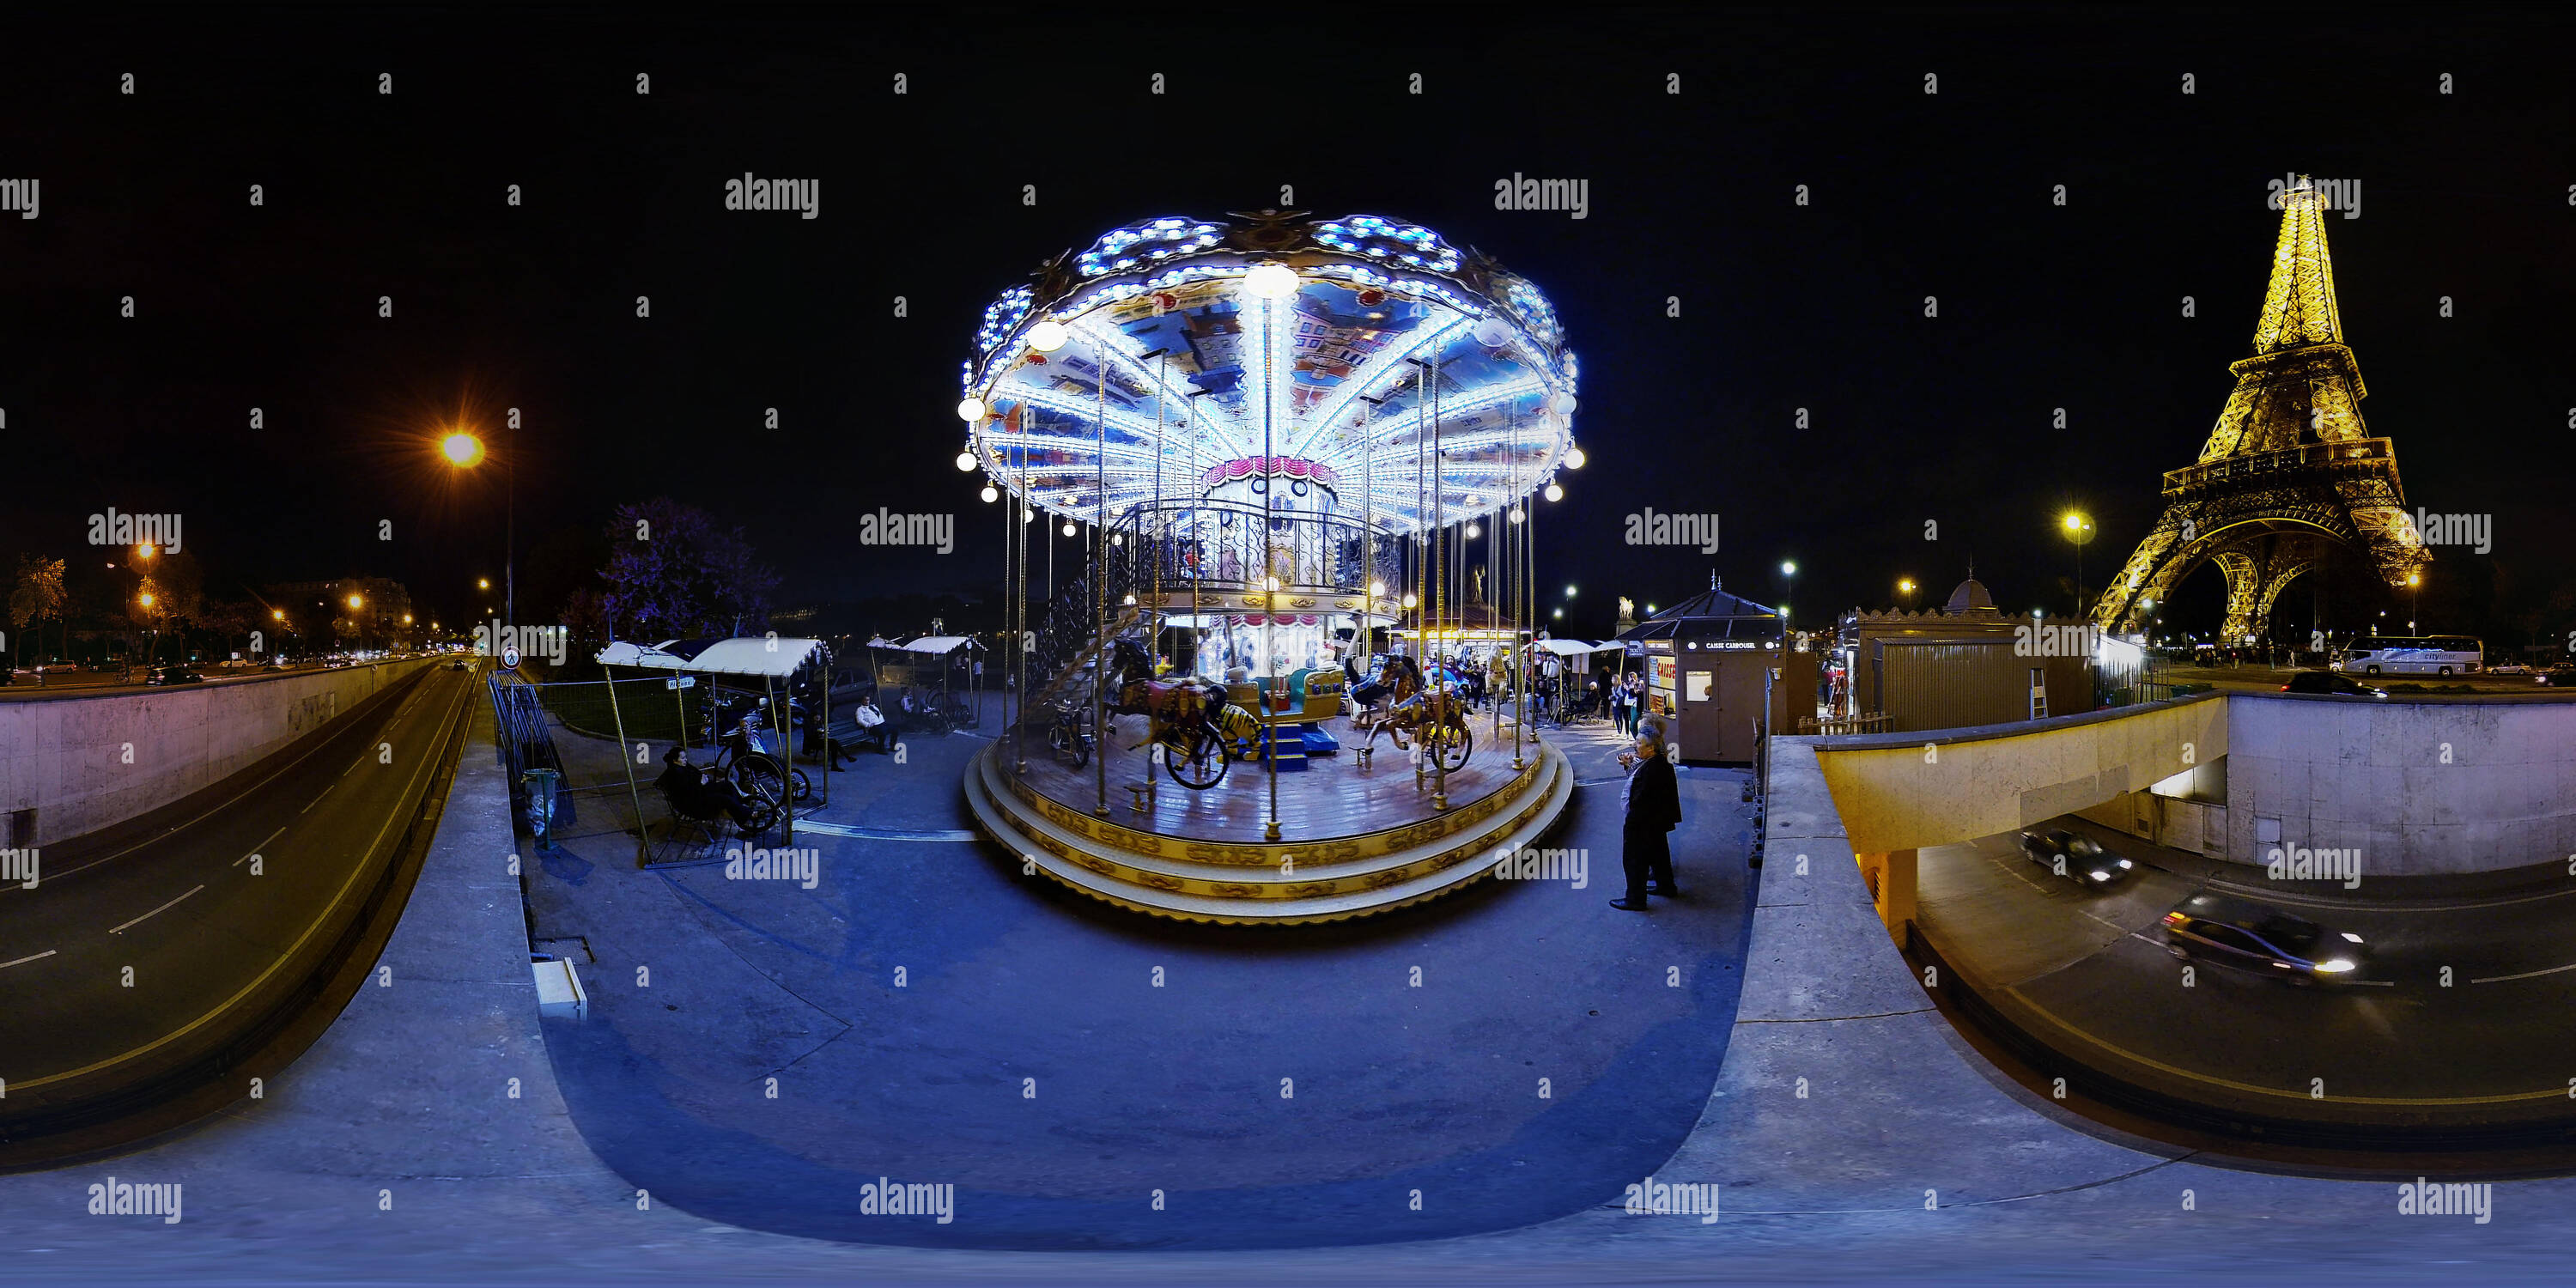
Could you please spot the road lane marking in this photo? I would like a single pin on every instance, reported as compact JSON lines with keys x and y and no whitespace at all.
{"x":427,"y":764}
{"x":154,"y":913}
{"x":259,"y":847}
{"x":24,"y":960}
{"x":2532,"y":974}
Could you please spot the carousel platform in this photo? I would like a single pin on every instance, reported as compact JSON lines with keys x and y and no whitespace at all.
{"x":1355,"y":841}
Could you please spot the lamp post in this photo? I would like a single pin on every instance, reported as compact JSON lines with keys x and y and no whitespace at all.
{"x":465,"y":451}
{"x":1788,"y":573}
{"x":2079,"y":529}
{"x":1905,"y":591}
{"x":2414,"y":593}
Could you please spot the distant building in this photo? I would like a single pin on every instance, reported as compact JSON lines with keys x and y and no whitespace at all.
{"x":1965,"y":663}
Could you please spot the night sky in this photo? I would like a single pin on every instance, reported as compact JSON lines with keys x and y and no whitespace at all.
{"x":2465,"y":195}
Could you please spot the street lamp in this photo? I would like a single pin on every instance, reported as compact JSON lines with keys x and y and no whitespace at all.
{"x":2079,"y":529}
{"x":465,"y":451}
{"x":1788,"y":571}
{"x":2414,"y":593}
{"x":1905,"y":590}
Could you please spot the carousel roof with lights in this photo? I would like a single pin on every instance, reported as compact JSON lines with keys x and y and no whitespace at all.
{"x":1157,"y":366}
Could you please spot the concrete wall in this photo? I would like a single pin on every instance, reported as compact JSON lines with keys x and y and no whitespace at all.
{"x":2421,"y":788}
{"x":85,"y":762}
{"x":1904,"y":791}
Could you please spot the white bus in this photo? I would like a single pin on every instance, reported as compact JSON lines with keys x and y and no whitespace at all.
{"x":2424,"y":655}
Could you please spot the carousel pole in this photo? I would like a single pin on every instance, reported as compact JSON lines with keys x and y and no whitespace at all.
{"x":1269,"y":583}
{"x":1440,"y":565}
{"x":1100,"y":572}
{"x":1026,"y":512}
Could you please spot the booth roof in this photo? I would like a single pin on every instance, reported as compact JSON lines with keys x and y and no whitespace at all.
{"x":1576,"y":648}
{"x":741,"y":655}
{"x":936,"y":645}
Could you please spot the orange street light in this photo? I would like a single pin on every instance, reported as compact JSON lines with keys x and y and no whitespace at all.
{"x":462,"y":450}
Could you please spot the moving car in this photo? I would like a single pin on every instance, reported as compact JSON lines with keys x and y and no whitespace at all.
{"x":2078,"y":858}
{"x":2563,"y":677}
{"x":2259,"y":939}
{"x":460,"y":664}
{"x":2329,"y":682}
{"x":173,"y":675}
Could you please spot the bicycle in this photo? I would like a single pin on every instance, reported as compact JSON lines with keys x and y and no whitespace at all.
{"x":759,"y":771}
{"x":1067,"y":738}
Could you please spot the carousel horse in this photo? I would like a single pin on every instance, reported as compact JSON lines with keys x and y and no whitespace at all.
{"x":1169,"y":706}
{"x":1393,"y":679}
{"x":1432,"y":715}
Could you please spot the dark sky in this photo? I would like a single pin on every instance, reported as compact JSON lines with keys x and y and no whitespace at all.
{"x":2466,"y":195}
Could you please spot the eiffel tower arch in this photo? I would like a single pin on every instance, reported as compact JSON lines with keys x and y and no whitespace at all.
{"x":2289,"y":480}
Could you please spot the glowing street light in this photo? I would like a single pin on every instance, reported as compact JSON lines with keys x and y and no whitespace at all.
{"x":482,"y":583}
{"x":143,"y":551}
{"x":2079,"y":529}
{"x":464,"y":450}
{"x":1905,"y":589}
{"x":461,"y":449}
{"x":355,"y":603}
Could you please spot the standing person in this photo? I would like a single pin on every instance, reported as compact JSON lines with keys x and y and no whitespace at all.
{"x":1652,"y":804}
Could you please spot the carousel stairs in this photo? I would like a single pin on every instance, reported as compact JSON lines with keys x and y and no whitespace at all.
{"x":1249,"y":884}
{"x":1075,"y":676}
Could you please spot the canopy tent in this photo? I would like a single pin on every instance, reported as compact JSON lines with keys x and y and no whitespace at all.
{"x":935,"y":645}
{"x":1578,"y":648}
{"x":749,"y":655}
{"x":767,"y":657}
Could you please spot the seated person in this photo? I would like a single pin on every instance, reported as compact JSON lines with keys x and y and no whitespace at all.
{"x":873,"y":727}
{"x":695,"y":794}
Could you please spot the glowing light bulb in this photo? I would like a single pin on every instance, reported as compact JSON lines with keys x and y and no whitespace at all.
{"x":966,"y":460}
{"x":1554,"y":492}
{"x":1409,"y":600}
{"x":971,"y":410}
{"x":1518,"y":514}
{"x":1271,"y":281}
{"x":1048,"y":336}
{"x":1574,"y":458}
{"x":991,"y":494}
{"x":1378,"y":588}
{"x":1068,"y":527}
{"x":1562,"y":404}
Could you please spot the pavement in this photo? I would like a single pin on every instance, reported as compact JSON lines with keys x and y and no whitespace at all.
{"x":1854,"y":1137}
{"x":929,"y":1012}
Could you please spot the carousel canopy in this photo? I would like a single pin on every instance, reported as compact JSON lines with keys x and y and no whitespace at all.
{"x":935,"y":645}
{"x":1578,"y":648}
{"x":1273,"y":353}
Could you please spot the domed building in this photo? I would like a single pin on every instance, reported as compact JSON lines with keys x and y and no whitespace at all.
{"x":1965,"y":663}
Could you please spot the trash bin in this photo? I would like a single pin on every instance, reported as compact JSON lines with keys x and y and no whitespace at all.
{"x":542,"y":784}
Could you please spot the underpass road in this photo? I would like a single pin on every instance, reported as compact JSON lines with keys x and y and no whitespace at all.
{"x":131,"y":954}
{"x":2078,"y":968}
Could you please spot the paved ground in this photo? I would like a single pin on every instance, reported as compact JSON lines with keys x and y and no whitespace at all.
{"x":1060,"y":1062}
{"x":1904,"y":1160}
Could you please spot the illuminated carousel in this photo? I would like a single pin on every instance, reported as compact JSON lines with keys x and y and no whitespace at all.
{"x":1271,"y":439}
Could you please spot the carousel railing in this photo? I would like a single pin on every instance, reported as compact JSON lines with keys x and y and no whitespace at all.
{"x":1231,"y":546}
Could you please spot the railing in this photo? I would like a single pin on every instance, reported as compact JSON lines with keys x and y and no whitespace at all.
{"x":1232,"y":546}
{"x":1874,"y":722}
{"x":2306,"y":456}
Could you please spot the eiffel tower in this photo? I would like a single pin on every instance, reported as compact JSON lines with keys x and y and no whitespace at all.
{"x":2289,"y":478}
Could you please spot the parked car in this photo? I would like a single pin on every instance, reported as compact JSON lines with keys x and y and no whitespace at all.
{"x":2259,"y":939}
{"x":2508,"y":668}
{"x":173,"y":675}
{"x":2076,"y":857}
{"x":2330,"y":682}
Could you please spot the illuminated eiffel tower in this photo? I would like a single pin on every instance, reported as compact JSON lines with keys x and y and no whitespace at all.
{"x":2289,"y":478}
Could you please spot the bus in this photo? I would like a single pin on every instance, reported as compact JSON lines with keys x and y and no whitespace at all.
{"x":2417,"y":655}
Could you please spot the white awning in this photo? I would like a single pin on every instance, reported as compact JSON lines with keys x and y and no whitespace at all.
{"x":777,"y":658}
{"x":1577,"y":648}
{"x":935,"y":645}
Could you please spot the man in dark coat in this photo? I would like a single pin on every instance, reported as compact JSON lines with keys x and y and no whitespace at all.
{"x":1653,"y":802}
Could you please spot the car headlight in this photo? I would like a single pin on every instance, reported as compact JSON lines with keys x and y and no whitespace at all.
{"x":2100,"y":875}
{"x":2125,"y":863}
{"x":2349,"y":937}
{"x":2336,"y":967}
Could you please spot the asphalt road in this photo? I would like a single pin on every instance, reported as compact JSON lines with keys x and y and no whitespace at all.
{"x":2088,"y":974}
{"x":143,"y":947}
{"x":22,"y":684}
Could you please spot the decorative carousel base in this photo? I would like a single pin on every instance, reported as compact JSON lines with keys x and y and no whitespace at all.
{"x":1360,"y":841}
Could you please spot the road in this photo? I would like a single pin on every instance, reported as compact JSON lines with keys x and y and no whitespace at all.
{"x":22,"y":683}
{"x":2260,"y":678}
{"x":144,"y":947}
{"x":2087,"y":974}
